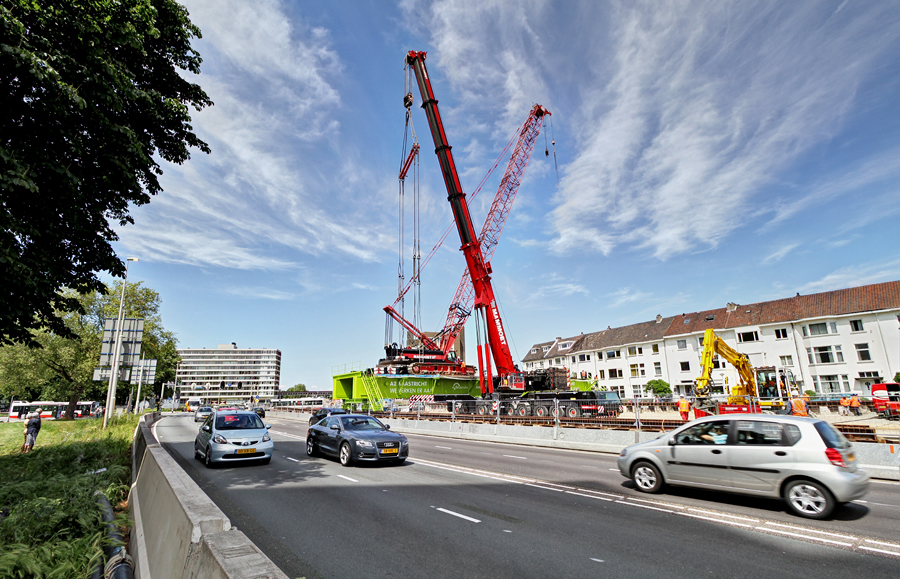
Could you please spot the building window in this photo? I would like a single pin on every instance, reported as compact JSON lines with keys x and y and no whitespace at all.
{"x":846,"y":382}
{"x":601,"y":374}
{"x":637,"y":370}
{"x":565,"y":345}
{"x":862,"y":352}
{"x":786,"y":360}
{"x":584,"y":357}
{"x":558,"y":360}
{"x":748,"y":337}
{"x":830,"y":383}
{"x":657,"y":368}
{"x":655,"y":348}
{"x":781,"y":333}
{"x":818,"y":329}
{"x":823,"y":355}
{"x":716,"y":363}
{"x":682,"y":344}
{"x":856,"y":325}
{"x":610,"y":354}
{"x":870,"y":375}
{"x":615,"y":373}
{"x":635,"y":350}
{"x":546,"y":348}
{"x":541,"y":364}
{"x":833,"y":326}
{"x":534,"y":350}
{"x":838,"y":354}
{"x":685,"y":366}
{"x":573,"y":359}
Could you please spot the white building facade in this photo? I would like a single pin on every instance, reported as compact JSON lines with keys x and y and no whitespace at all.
{"x":839,"y":341}
{"x":228,"y":374}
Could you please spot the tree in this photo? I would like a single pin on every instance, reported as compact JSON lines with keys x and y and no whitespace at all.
{"x":897,"y":378}
{"x":62,"y":367}
{"x":297,"y":388}
{"x":91,"y":93}
{"x":658,"y":387}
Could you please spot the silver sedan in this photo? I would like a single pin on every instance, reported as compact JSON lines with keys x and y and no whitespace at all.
{"x":805,"y":461}
{"x":233,"y":436}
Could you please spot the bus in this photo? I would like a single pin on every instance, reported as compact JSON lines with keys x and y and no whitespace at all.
{"x":49,"y":409}
{"x":193,"y":403}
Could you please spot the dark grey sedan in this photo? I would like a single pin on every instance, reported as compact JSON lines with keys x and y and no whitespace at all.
{"x":356,"y":437}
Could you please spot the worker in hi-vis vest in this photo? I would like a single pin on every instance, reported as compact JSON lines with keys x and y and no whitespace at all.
{"x":684,"y":406}
{"x":797,"y":407}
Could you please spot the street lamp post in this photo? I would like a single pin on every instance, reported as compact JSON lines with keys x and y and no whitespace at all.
{"x":114,"y":376}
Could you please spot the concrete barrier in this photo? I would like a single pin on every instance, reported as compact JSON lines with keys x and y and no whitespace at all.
{"x":178,"y":532}
{"x":880,"y":460}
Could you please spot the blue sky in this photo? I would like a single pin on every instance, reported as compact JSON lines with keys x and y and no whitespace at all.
{"x":708,"y":152}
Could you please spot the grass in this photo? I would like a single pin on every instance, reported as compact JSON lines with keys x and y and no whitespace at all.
{"x":50,"y":525}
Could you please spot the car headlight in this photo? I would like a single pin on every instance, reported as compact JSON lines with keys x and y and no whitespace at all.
{"x":266,"y":437}
{"x":219,"y":439}
{"x":364,"y":444}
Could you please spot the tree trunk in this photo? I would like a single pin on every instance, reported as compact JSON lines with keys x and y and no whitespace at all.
{"x":73,"y":400}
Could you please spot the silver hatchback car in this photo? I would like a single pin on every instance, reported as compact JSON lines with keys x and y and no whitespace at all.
{"x":233,"y":435}
{"x":805,"y":461}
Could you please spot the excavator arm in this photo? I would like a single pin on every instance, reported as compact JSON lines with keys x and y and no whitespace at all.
{"x":712,"y":345}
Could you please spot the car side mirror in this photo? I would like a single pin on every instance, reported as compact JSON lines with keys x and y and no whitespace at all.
{"x":268,"y":426}
{"x":387,"y":426}
{"x":206,"y":428}
{"x":335,"y":427}
{"x":672,"y":441}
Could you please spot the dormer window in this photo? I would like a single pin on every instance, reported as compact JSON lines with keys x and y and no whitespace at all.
{"x":546,"y":348}
{"x":565,"y":345}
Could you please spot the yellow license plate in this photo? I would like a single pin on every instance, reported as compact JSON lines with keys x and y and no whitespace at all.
{"x":390,"y":450}
{"x":245,"y":451}
{"x":851,"y":456}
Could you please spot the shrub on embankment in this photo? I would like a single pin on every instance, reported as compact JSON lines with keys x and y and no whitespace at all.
{"x":50,"y":525}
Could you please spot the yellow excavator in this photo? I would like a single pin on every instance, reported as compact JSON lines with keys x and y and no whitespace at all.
{"x":744,"y":397}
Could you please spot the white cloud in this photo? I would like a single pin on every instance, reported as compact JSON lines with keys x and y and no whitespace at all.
{"x":627,"y":295}
{"x":854,"y":276}
{"x":259,"y":292}
{"x":707,"y":103}
{"x":780,"y":253}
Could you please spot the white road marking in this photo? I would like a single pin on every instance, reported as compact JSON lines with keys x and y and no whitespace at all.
{"x":347,"y":478}
{"x":884,"y":544}
{"x":810,"y":537}
{"x":645,"y":507}
{"x":724,"y":515}
{"x":444,"y":447}
{"x":715,"y":520}
{"x":294,"y":459}
{"x":879,"y":504}
{"x":543,"y":487}
{"x":588,"y":496}
{"x":458,"y":515}
{"x":848,"y":537}
{"x":863,"y":547}
{"x":657,"y":503}
{"x":614,"y":469}
{"x":519,"y":457}
{"x":505,"y":531}
{"x":279,"y":433}
{"x":597,"y":560}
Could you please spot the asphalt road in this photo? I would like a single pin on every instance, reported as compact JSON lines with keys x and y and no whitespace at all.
{"x":469,"y":509}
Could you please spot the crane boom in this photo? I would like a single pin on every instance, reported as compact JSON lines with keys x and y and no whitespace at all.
{"x":479,"y":269}
{"x":461,"y":305}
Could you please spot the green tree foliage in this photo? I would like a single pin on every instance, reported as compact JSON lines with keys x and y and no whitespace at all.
{"x":658,"y":387}
{"x":897,"y":378}
{"x":297,"y":388}
{"x":92,"y":96}
{"x":62,"y":367}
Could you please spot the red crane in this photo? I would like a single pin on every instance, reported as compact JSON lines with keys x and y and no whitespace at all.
{"x":479,"y":269}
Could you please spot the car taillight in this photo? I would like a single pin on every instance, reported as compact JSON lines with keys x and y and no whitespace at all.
{"x":835,"y":457}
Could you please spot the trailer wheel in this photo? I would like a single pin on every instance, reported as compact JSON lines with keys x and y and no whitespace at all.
{"x":541,"y":411}
{"x":573,"y":412}
{"x":511,"y":410}
{"x":460,"y":408}
{"x":481,"y":410}
{"x":522,"y":410}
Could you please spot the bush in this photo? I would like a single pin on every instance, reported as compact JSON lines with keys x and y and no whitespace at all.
{"x":50,"y":524}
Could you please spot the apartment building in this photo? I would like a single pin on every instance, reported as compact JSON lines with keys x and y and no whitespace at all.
{"x":837,"y":341}
{"x":228,"y":374}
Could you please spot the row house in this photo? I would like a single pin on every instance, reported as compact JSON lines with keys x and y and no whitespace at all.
{"x":837,"y":341}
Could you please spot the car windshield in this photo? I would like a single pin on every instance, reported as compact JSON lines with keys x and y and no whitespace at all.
{"x":361,"y":423}
{"x":238,"y":422}
{"x":204,"y":409}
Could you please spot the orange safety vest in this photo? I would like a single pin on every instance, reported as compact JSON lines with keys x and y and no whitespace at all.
{"x":684,"y":405}
{"x":845,"y":401}
{"x":854,"y":401}
{"x":798,"y":407}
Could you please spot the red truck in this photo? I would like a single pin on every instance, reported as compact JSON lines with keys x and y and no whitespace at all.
{"x":886,"y":398}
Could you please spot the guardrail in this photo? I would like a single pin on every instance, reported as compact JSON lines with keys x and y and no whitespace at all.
{"x":178,"y":532}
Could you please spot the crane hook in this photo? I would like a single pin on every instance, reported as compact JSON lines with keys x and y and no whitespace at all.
{"x":408,"y":100}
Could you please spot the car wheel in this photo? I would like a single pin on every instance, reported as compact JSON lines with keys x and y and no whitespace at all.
{"x":646,"y":477}
{"x":207,"y":461}
{"x":809,"y":499}
{"x":311,"y":449}
{"x":573,"y":412}
{"x":346,"y":455}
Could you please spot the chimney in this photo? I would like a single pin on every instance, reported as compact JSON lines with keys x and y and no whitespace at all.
{"x":658,"y":318}
{"x":731,"y":307}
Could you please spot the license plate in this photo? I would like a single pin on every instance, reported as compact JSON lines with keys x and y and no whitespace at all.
{"x":245,"y":451}
{"x":390,"y":450}
{"x":851,"y":456}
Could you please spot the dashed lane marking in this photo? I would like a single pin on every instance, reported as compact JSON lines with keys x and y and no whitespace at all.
{"x":519,"y":457}
{"x":444,"y":447}
{"x":597,"y":560}
{"x":461,"y":516}
{"x":347,"y":478}
{"x":294,"y":459}
{"x":279,"y":433}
